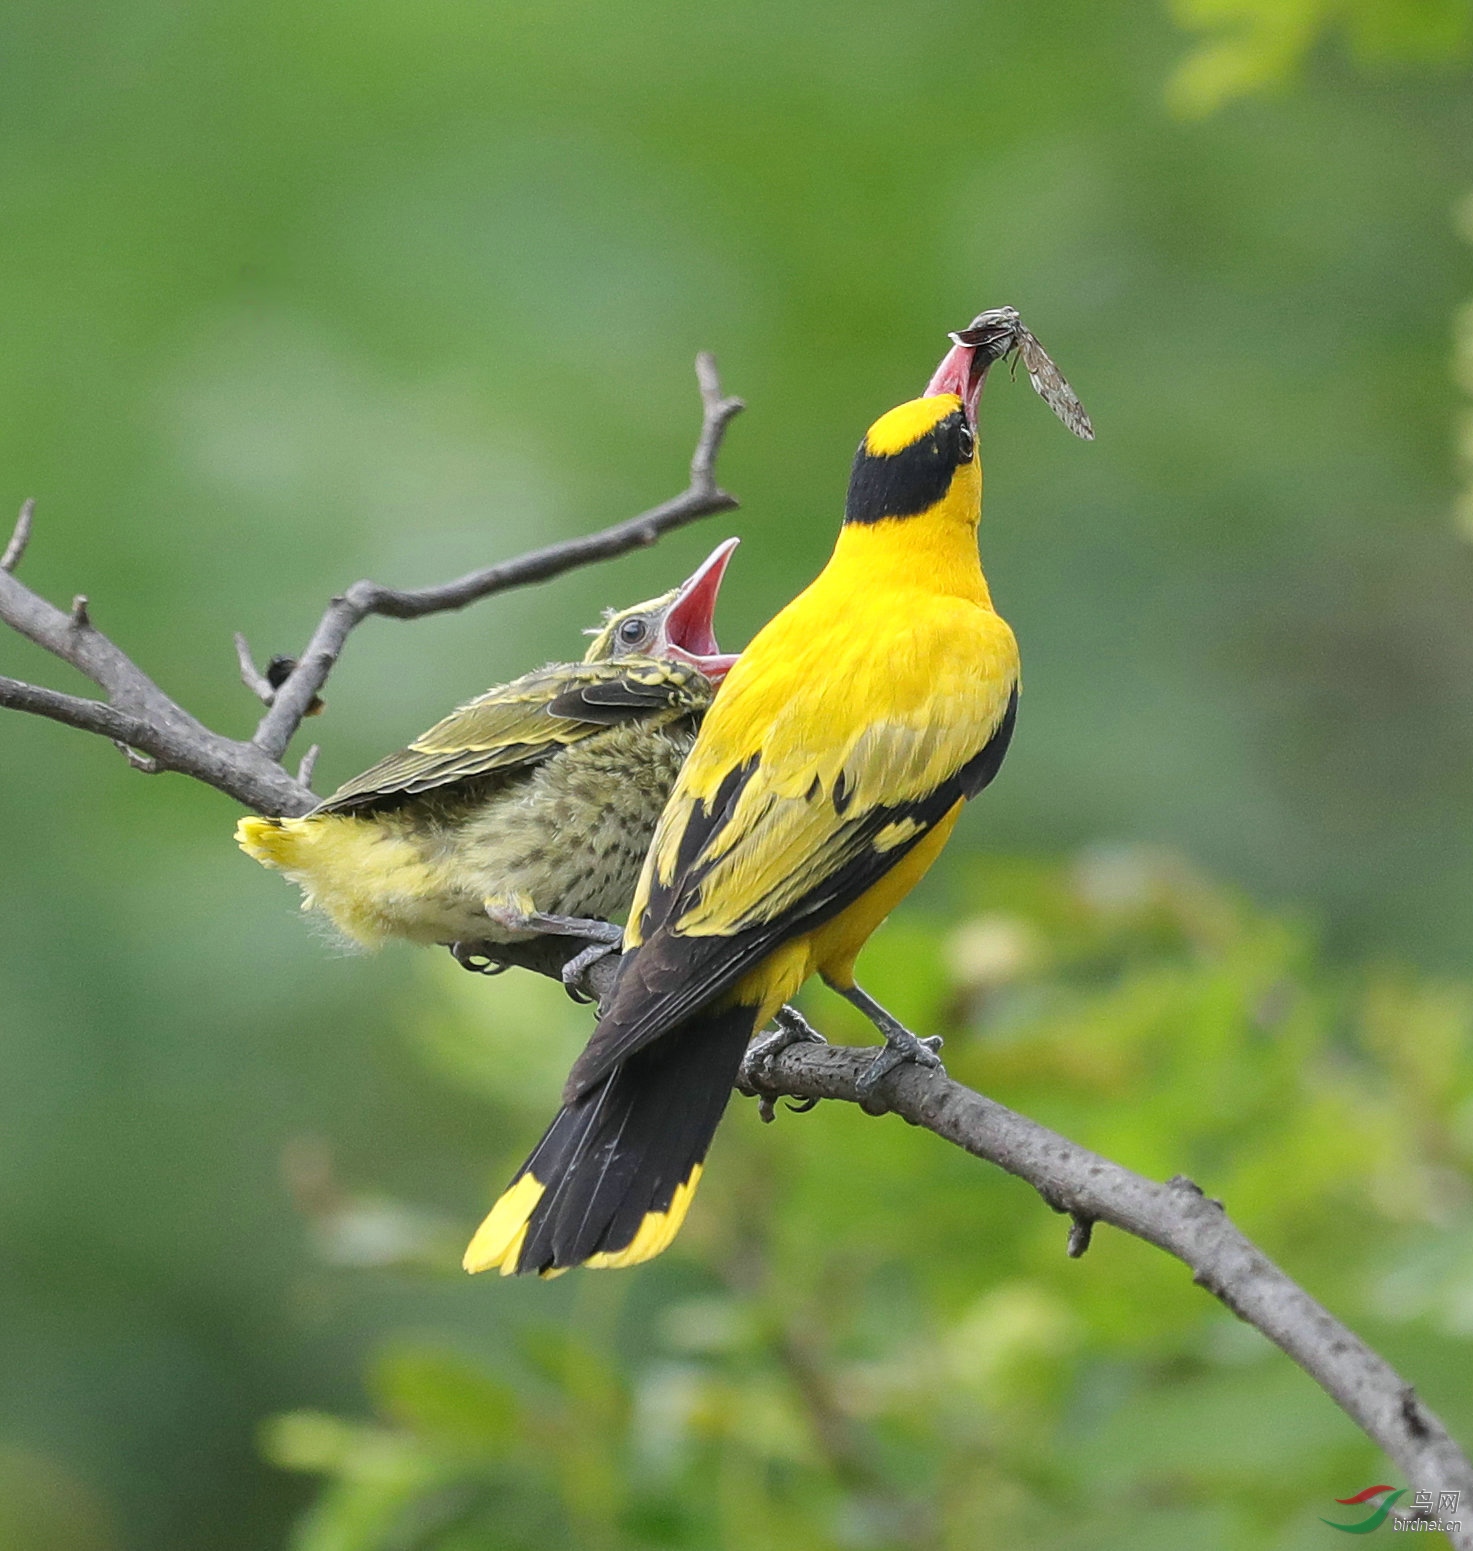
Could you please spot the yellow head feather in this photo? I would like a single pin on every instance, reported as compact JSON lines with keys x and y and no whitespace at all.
{"x":907,"y":423}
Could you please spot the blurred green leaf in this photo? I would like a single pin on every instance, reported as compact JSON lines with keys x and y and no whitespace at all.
{"x":866,"y":1338}
{"x":1257,"y":44}
{"x":443,"y":1395}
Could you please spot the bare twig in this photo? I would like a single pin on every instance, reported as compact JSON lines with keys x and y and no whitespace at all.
{"x":72,"y":710}
{"x":136,"y":712}
{"x":701,"y":498}
{"x":144,"y":762}
{"x":250,"y":675}
{"x":16,"y":548}
{"x":158,"y":734}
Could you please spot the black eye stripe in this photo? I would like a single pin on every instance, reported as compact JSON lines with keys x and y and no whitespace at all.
{"x":901,"y":484}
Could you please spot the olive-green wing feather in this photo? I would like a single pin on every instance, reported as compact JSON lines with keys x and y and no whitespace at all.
{"x":522,"y":723}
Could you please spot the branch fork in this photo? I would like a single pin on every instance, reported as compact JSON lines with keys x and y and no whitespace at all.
{"x":155,"y":733}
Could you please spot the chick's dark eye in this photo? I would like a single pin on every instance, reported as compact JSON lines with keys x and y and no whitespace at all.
{"x":966,"y":443}
{"x":633,"y":631}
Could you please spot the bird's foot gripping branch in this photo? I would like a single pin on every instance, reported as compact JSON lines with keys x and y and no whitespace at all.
{"x":1176,"y":1216}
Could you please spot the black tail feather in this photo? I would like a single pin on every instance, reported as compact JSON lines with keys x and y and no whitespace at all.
{"x":610,"y":1181}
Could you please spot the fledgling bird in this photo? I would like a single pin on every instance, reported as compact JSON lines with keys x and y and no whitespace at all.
{"x":823,"y":784}
{"x":528,"y":811}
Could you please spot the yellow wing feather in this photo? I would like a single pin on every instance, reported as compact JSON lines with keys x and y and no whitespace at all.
{"x":896,"y":725}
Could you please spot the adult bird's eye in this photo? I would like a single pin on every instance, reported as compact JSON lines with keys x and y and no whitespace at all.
{"x":633,"y":631}
{"x":966,"y":443}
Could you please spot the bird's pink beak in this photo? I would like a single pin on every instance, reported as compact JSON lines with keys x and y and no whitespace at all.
{"x":689,"y":631}
{"x":964,"y":367}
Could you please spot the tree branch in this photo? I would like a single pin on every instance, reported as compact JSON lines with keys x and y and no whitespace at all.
{"x":1176,"y":1217}
{"x":72,"y":710}
{"x":156,"y":733}
{"x":136,"y":713}
{"x":702,"y":497}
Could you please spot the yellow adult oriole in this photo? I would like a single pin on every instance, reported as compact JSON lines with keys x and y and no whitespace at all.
{"x":528,"y":811}
{"x":824,"y":782}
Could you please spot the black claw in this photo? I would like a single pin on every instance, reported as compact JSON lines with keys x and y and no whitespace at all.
{"x":473,"y":956}
{"x":767,"y":1106}
{"x":576,"y":970}
{"x":757,"y":1063}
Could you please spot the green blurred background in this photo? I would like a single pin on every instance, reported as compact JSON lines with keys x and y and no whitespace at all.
{"x":291,"y":294}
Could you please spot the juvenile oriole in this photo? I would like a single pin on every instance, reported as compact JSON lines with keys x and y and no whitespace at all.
{"x":528,"y":811}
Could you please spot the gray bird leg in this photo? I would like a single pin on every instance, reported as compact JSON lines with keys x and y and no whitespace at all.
{"x":900,"y":1044}
{"x":603,"y":937}
{"x":537,"y":923}
{"x":792,"y":1029}
{"x":512,"y":921}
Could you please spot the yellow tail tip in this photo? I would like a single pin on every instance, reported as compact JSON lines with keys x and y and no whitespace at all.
{"x":269,"y":841}
{"x":655,"y":1233}
{"x":498,"y":1241}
